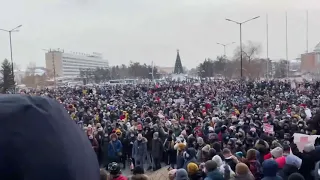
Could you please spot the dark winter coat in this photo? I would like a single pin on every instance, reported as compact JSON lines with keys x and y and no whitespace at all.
{"x":38,"y":140}
{"x":157,"y":148}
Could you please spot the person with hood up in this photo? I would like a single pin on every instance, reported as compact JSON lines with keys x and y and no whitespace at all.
{"x":189,"y":157}
{"x":243,"y":172}
{"x":139,"y":150}
{"x":270,"y":168}
{"x":181,"y":174}
{"x":157,"y":151}
{"x":211,"y":169}
{"x":49,"y":152}
{"x":293,"y":164}
{"x":223,"y":168}
{"x":114,"y":149}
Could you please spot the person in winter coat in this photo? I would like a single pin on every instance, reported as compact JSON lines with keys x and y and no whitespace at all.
{"x":139,"y":150}
{"x":277,"y":154}
{"x":223,"y":168}
{"x":157,"y":151}
{"x":243,"y":172}
{"x":211,"y":169}
{"x":138,"y":174}
{"x":105,"y":146}
{"x":114,"y":149}
{"x":169,"y":149}
{"x":193,"y":171}
{"x":229,"y":158}
{"x":292,"y":165}
{"x":189,"y":157}
{"x":270,"y":168}
{"x":181,"y":174}
{"x":94,"y":143}
{"x":296,"y":176}
{"x":309,"y":158}
{"x":148,"y":134}
{"x":180,"y":148}
{"x":253,"y":164}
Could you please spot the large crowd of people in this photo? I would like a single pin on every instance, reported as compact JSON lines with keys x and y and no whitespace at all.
{"x":211,"y":130}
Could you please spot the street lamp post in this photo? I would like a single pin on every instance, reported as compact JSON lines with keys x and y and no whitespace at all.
{"x":224,"y":47}
{"x":16,"y":29}
{"x":240,"y":24}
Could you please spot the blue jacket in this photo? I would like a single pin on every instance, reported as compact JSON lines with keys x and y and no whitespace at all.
{"x":38,"y":140}
{"x":214,"y":175}
{"x":113,"y":152}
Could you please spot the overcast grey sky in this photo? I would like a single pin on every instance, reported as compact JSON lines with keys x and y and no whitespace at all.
{"x":152,"y":30}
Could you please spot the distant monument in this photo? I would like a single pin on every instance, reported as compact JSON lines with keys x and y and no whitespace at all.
{"x":178,"y":69}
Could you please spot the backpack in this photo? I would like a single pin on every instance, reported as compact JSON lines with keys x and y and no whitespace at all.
{"x":255,"y":168}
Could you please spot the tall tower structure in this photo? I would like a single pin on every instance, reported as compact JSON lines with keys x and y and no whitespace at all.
{"x":178,"y":69}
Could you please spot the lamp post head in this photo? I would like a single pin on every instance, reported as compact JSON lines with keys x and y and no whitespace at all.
{"x":256,"y":17}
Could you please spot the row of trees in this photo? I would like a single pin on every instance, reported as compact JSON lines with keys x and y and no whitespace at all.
{"x":133,"y":70}
{"x":252,"y":65}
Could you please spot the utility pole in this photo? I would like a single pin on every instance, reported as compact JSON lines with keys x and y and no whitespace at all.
{"x":241,"y":51}
{"x":54,"y":69}
{"x":307,"y":32}
{"x":224,"y":48}
{"x":287,"y":46}
{"x":16,"y":29}
{"x":152,"y":73}
{"x":267,"y":31}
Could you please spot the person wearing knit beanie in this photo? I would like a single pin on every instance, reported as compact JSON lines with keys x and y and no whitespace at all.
{"x":277,"y":152}
{"x":192,"y":168}
{"x":296,"y":176}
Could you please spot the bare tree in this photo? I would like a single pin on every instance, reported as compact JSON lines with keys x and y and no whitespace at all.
{"x":250,"y":51}
{"x":31,"y":69}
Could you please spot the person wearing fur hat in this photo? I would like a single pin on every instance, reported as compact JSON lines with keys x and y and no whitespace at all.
{"x":114,"y":149}
{"x":139,"y":150}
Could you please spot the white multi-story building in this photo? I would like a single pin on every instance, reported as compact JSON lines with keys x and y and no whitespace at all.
{"x":69,"y":64}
